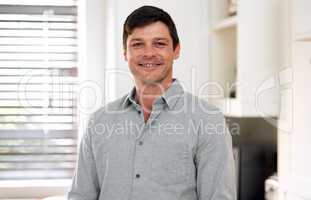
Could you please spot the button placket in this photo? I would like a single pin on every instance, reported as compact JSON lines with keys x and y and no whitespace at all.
{"x":154,"y":114}
{"x":140,"y":148}
{"x":138,"y":169}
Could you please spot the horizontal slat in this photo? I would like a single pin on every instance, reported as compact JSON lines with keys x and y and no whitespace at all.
{"x":37,"y":56}
{"x":36,"y":174}
{"x":37,"y":142}
{"x":33,"y":115}
{"x":36,"y":96}
{"x":30,"y":126}
{"x":39,"y":49}
{"x":27,"y":134}
{"x":33,"y":76}
{"x":38,"y":33}
{"x":30,"y":107}
{"x":37,"y":150}
{"x":39,"y":18}
{"x":37,"y":165}
{"x":55,"y":72}
{"x":36,"y":123}
{"x":38,"y":25}
{"x":51,"y":111}
{"x":37,"y":80}
{"x":37,"y":41}
{"x":24,"y":93}
{"x":43,"y":88}
{"x":39,"y":2}
{"x":38,"y":10}
{"x":38,"y":158}
{"x":38,"y":64}
{"x":37,"y":119}
{"x":30,"y":103}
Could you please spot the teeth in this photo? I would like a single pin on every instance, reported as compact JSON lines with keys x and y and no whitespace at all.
{"x":149,"y":65}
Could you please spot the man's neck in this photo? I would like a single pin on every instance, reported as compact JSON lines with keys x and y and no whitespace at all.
{"x":146,"y":94}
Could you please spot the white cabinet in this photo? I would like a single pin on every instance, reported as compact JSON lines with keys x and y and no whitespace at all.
{"x":296,"y":176}
{"x":301,"y":19}
{"x":294,"y":138}
{"x":302,"y":112}
{"x":245,"y":57}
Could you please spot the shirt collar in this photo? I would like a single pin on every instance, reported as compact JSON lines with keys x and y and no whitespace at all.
{"x":169,"y":97}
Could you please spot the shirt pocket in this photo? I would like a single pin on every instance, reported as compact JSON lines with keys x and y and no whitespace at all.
{"x":170,"y":164}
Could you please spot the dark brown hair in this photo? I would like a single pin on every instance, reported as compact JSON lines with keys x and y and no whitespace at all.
{"x":146,"y":15}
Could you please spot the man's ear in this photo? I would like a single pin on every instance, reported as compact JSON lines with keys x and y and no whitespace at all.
{"x":125,"y":54}
{"x":177,"y":51}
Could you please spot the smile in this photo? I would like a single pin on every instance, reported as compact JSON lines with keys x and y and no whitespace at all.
{"x":149,"y":65}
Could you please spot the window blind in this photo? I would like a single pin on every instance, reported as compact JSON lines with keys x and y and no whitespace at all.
{"x":38,"y":76}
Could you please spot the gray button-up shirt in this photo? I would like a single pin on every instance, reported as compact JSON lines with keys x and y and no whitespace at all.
{"x":183,"y":152}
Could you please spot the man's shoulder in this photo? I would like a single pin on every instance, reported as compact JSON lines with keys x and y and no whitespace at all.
{"x":207,"y":116}
{"x":200,"y":105}
{"x":111,"y":108}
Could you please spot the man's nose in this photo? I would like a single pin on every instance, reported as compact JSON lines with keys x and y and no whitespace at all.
{"x":149,"y":51}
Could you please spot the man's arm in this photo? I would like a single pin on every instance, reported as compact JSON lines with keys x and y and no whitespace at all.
{"x":214,"y":161}
{"x":85,"y":182}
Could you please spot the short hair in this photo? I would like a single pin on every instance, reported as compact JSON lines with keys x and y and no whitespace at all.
{"x":146,"y":15}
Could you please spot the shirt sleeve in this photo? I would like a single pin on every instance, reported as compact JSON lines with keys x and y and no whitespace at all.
{"x":85,"y":182}
{"x":214,"y":161}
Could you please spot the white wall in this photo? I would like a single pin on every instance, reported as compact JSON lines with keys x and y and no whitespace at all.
{"x":92,"y":25}
{"x":192,"y":21}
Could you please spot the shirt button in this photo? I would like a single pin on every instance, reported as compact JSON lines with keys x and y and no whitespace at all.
{"x":140,"y":143}
{"x":137,"y":176}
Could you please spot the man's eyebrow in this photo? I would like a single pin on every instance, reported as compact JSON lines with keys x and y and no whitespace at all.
{"x":135,"y":40}
{"x":156,"y":39}
{"x":160,"y":38}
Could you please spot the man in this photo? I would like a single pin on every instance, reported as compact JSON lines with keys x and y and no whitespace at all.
{"x":158,"y":142}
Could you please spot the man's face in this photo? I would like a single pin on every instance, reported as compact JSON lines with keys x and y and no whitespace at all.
{"x":150,"y":54}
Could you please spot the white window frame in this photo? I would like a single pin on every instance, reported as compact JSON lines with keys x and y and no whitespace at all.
{"x":38,"y":189}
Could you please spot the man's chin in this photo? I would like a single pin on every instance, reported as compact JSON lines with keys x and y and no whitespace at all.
{"x":152,"y":81}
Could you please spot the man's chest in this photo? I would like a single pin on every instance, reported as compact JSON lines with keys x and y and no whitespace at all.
{"x":161,"y":152}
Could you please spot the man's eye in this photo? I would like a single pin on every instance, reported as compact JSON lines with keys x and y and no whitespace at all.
{"x":160,"y":44}
{"x":137,"y":44}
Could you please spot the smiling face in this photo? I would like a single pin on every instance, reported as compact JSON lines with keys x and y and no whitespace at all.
{"x":150,"y":53}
